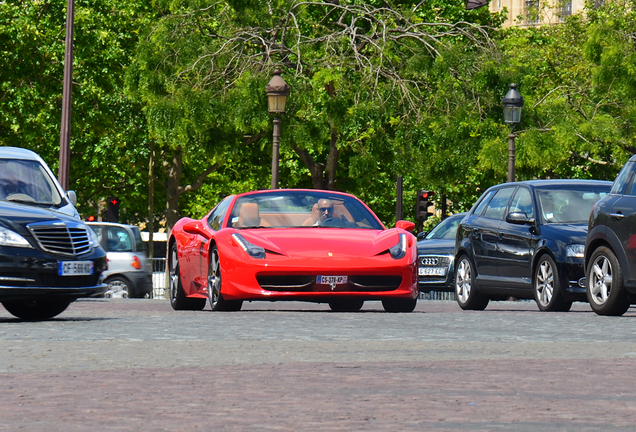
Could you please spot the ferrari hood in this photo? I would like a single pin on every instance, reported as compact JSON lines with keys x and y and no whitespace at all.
{"x":312,"y":242}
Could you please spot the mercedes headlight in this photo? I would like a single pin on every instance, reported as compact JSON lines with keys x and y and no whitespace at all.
{"x":11,"y":238}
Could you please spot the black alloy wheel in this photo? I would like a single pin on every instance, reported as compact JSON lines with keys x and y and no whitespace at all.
{"x":35,"y":310}
{"x":605,"y":289}
{"x":178,"y":299}
{"x":468,"y":298}
{"x":217,"y":302}
{"x":547,"y":287}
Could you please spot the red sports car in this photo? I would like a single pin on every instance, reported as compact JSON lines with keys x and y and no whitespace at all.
{"x":307,"y":245}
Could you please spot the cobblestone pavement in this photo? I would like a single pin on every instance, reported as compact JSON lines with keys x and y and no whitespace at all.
{"x":111,"y":365}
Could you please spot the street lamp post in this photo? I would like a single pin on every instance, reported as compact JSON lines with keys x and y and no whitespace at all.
{"x":277,"y":91}
{"x":512,"y":105}
{"x":67,"y":89}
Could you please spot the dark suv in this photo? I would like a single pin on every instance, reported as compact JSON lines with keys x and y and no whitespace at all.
{"x":526,"y":240}
{"x":610,"y":249}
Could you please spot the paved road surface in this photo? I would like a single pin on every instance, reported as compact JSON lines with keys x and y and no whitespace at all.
{"x":138,"y":365}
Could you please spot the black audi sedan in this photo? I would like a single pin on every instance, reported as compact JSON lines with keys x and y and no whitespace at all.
{"x":526,"y":240}
{"x":435,"y":254}
{"x":47,"y":260}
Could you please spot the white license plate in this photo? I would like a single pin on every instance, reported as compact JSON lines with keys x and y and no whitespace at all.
{"x":329,"y":280}
{"x":74,"y":268}
{"x":432,"y":271}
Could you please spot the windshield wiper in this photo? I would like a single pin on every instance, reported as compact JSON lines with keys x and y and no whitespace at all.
{"x":31,"y":202}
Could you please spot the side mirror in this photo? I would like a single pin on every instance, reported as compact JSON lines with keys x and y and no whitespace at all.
{"x":196,"y":227}
{"x":422,"y":235}
{"x":519,"y":218}
{"x":405,"y":225}
{"x":72,"y":197}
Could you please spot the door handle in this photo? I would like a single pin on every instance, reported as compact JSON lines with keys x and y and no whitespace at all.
{"x":617,"y":215}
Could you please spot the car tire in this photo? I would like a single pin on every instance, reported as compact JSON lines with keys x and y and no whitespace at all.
{"x":178,"y":299}
{"x":118,"y":287}
{"x":348,"y":305}
{"x":547,"y":287}
{"x":399,"y":305}
{"x":35,"y":310}
{"x":468,"y":298}
{"x":217,"y":302}
{"x":605,"y":289}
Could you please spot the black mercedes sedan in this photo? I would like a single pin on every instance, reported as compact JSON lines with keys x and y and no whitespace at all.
{"x":526,"y":240}
{"x":47,"y":260}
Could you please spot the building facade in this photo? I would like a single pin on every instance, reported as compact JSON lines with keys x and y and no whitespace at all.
{"x":527,"y":13}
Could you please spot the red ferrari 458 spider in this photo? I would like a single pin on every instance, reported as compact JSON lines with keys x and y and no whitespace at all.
{"x":307,"y":245}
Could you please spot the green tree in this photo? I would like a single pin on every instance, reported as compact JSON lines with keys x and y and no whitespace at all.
{"x":577,"y":79}
{"x":109,"y":139}
{"x":362,"y":78}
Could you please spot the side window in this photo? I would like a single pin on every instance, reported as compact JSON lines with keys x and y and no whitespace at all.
{"x":119,"y":240}
{"x":522,"y":202}
{"x":622,"y":180}
{"x":99,"y":232}
{"x":479,"y":210}
{"x":498,"y":204}
{"x":218,"y":214}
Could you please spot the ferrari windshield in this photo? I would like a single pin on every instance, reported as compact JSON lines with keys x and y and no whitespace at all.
{"x":301,"y":209}
{"x":26,"y":181}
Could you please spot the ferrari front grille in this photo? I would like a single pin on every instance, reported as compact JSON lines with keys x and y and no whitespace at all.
{"x":286,"y":282}
{"x":307,"y":283}
{"x":375,"y":283}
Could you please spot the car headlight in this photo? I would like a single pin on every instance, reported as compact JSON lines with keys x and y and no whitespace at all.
{"x":92,"y":237}
{"x":11,"y":238}
{"x":575,"y":250}
{"x":251,"y":249}
{"x":399,"y":250}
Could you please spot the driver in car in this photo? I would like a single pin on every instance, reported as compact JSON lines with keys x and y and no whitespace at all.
{"x":10,"y":183}
{"x":325,"y":210}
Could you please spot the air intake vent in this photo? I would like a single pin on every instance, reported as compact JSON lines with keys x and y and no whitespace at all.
{"x":62,"y":238}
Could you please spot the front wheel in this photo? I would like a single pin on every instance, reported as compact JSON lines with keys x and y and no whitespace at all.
{"x":35,"y":310}
{"x":217,"y":302}
{"x":468,"y":298}
{"x":178,"y":299}
{"x":350,"y":305}
{"x":547,"y":287}
{"x":399,"y":305}
{"x":118,"y":288}
{"x":604,"y":288}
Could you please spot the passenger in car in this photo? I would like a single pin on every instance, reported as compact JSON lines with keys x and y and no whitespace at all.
{"x":249,"y":216}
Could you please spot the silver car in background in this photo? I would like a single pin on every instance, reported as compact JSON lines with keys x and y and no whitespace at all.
{"x":128,"y":273}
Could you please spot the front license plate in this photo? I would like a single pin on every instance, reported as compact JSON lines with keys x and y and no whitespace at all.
{"x":432,"y":271}
{"x":330,"y":280}
{"x":74,"y":268}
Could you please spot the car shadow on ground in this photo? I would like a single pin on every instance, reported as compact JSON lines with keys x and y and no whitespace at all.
{"x":58,"y":319}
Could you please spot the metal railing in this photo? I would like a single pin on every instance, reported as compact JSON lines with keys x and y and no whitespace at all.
{"x":438,"y":295}
{"x":159,"y":278}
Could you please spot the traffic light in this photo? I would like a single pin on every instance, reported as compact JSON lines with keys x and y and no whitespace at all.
{"x":421,"y":209}
{"x":112,"y":209}
{"x":91,"y":218}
